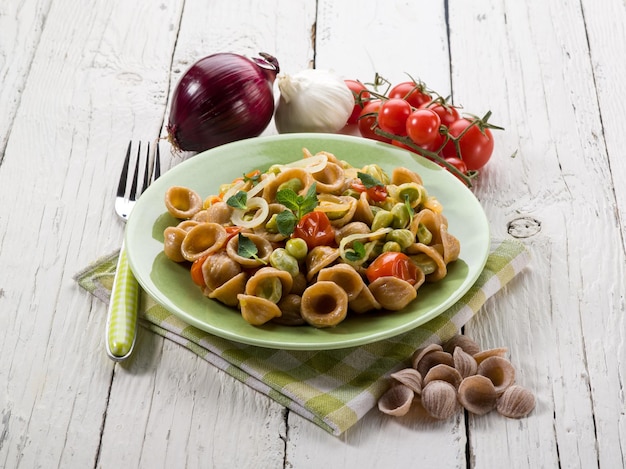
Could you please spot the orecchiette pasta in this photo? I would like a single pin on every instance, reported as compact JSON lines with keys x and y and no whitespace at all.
{"x":370,"y":240}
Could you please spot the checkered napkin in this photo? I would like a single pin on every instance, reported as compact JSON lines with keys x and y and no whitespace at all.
{"x":335,"y":388}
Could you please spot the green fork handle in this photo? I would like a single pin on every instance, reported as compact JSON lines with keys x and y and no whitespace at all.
{"x":121,"y":328}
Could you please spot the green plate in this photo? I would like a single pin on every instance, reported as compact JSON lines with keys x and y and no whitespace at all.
{"x":170,"y":284}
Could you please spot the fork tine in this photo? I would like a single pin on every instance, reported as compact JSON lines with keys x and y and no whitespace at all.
{"x":133,"y":187}
{"x":156,"y":171}
{"x":121,"y":188}
{"x":146,"y":171}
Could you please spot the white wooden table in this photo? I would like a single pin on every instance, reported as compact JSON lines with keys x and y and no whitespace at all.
{"x":78,"y":80}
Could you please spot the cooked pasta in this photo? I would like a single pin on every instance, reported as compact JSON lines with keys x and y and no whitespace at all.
{"x":312,"y":242}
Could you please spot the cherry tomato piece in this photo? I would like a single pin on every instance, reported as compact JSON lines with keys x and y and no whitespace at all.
{"x":393,"y":115}
{"x":368,"y":121}
{"x":475,"y":146}
{"x":447,"y":113}
{"x":422,"y":126}
{"x":315,"y":229}
{"x":361,"y":94}
{"x":393,"y":264}
{"x":375,"y":193}
{"x":413,"y":93}
{"x":196,"y":271}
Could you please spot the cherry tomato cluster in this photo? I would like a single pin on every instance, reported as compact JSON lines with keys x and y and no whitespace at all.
{"x":411,"y":116}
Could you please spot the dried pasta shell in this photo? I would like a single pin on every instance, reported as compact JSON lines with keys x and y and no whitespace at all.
{"x":186,"y":225}
{"x":443,"y":372}
{"x":182,"y":202}
{"x":355,"y":227}
{"x":344,"y":276}
{"x":257,"y":311}
{"x":459,"y":340}
{"x":492,"y":352}
{"x":433,"y":359}
{"x":499,"y":370}
{"x":439,"y":399}
{"x":264,"y":249}
{"x":396,"y":401}
{"x":218,"y":269}
{"x":411,"y":378}
{"x":464,"y":363}
{"x":324,"y":304}
{"x":477,"y":394}
{"x":392,"y":293}
{"x":203,"y":239}
{"x":339,"y":209}
{"x":516,"y":402}
{"x":423,"y":351}
{"x":228,"y":292}
{"x":173,"y":237}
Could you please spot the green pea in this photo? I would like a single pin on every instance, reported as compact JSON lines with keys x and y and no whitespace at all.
{"x":272,"y":225}
{"x":297,"y":248}
{"x":391,"y":246}
{"x":401,"y":216}
{"x":282,"y":260}
{"x":423,"y":234}
{"x":382,"y":219}
{"x":294,"y":184}
{"x":403,"y":237}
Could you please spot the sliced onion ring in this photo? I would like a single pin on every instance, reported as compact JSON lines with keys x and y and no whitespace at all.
{"x":312,"y":164}
{"x":360,"y":236}
{"x":260,"y":215}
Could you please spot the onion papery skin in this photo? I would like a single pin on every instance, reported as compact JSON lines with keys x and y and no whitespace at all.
{"x":222,"y":98}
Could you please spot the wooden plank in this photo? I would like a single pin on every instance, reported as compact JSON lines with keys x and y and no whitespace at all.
{"x":536,"y":81}
{"x":353,"y":39}
{"x":21,"y":26}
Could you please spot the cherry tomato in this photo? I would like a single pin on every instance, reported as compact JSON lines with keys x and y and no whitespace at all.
{"x":375,"y":193}
{"x":457,"y":163}
{"x":475,"y":146}
{"x":315,"y":229}
{"x":393,"y":115}
{"x":360,"y":92}
{"x":196,"y":271}
{"x":410,"y":91}
{"x":393,"y":264}
{"x":447,"y":113}
{"x":368,"y":121}
{"x":422,"y":126}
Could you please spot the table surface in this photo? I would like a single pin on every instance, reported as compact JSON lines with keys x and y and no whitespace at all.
{"x":78,"y":80}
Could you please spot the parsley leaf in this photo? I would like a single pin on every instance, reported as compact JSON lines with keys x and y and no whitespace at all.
{"x":297,"y":206}
{"x":368,"y":180}
{"x":239,"y":200}
{"x":248,"y":249}
{"x":286,"y":222}
{"x":357,"y":252}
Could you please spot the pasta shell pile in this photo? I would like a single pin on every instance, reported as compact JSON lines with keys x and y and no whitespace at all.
{"x":245,"y":256}
{"x":447,"y":378}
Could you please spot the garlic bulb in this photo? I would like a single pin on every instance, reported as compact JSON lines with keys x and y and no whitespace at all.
{"x":312,"y":101}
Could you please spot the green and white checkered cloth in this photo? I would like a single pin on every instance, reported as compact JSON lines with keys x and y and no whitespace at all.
{"x":334,"y":388}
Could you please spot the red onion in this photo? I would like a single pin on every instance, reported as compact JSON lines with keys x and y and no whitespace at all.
{"x":222,"y":98}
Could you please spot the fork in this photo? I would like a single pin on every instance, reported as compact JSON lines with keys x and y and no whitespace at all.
{"x":121,"y":328}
